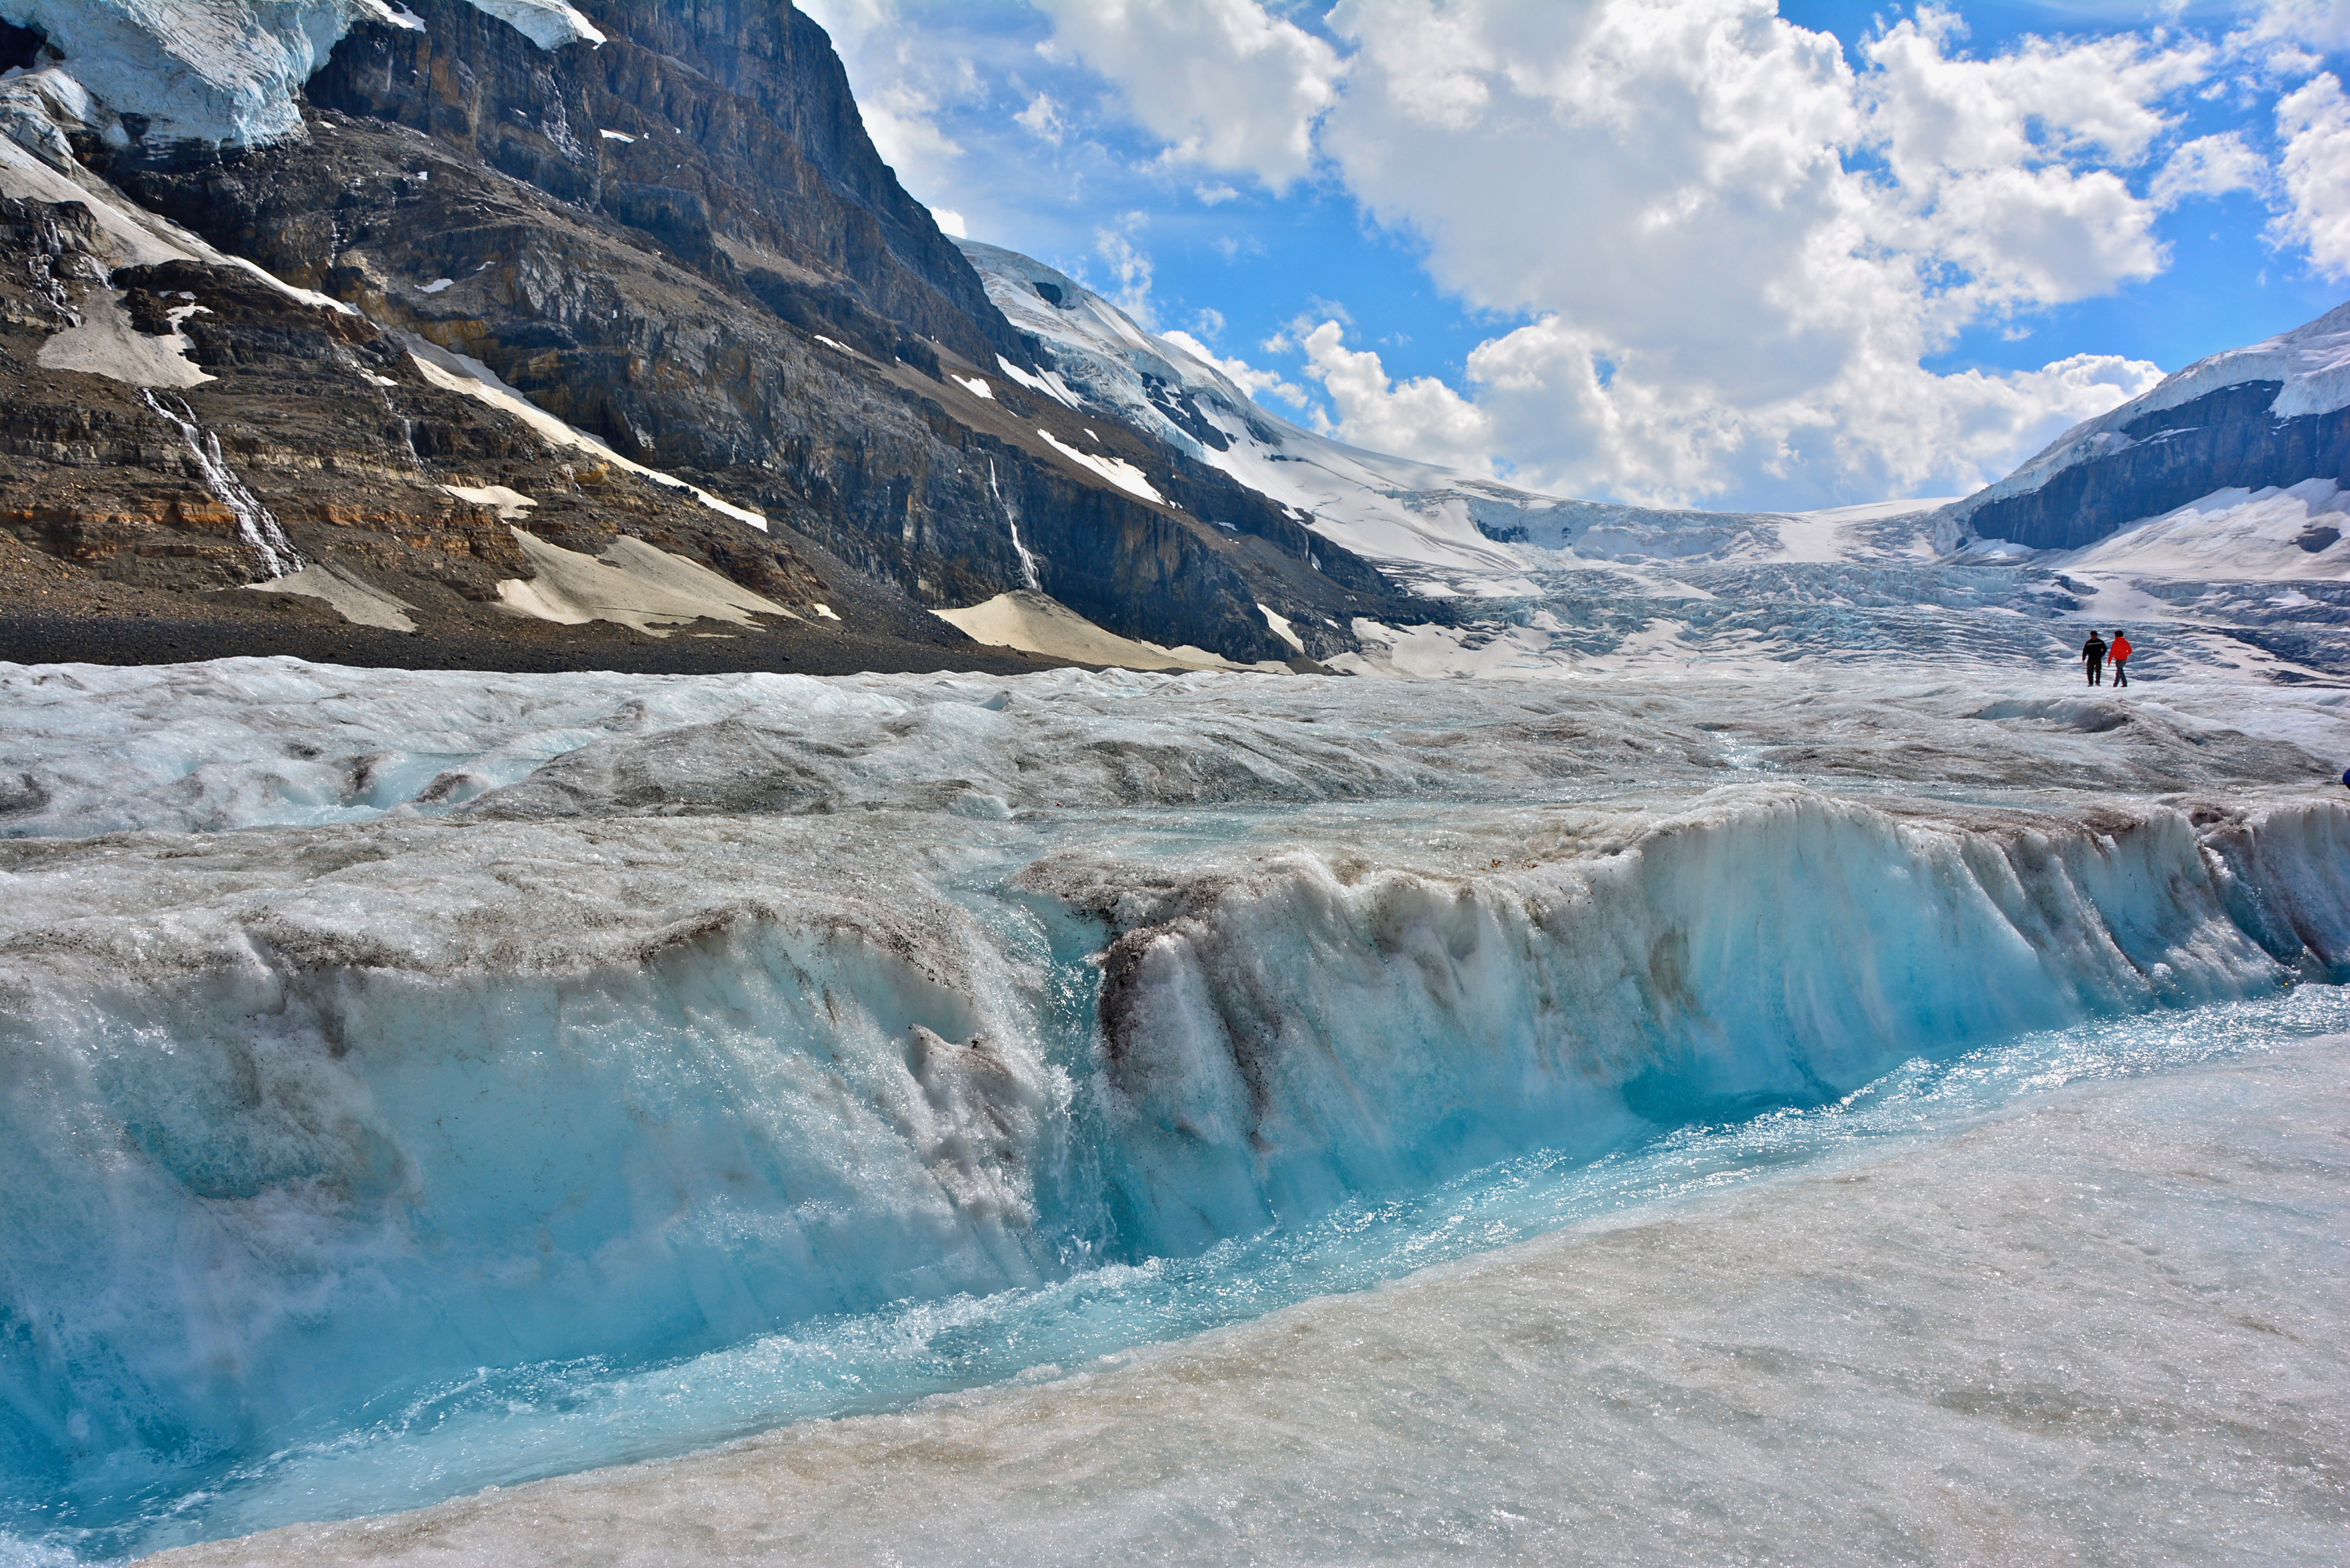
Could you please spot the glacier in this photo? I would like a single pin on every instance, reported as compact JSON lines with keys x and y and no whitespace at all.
{"x":230,"y":72}
{"x":1542,"y":587}
{"x":409,"y":1075}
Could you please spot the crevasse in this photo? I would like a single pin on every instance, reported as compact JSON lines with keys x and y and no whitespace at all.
{"x":271,"y":1151}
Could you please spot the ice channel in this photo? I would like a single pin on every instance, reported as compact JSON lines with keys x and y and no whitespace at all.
{"x":569,"y":1071}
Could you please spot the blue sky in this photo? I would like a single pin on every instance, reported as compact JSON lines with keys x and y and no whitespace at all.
{"x":1979,"y":228}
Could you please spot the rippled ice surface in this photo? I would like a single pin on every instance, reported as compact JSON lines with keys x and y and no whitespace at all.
{"x":414,"y":1083}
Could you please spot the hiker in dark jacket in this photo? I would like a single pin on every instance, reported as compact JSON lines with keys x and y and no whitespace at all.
{"x":2092,"y":657}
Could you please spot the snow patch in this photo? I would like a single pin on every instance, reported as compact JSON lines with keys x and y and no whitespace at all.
{"x":353,"y":598}
{"x":2231,"y":535}
{"x":107,"y":344}
{"x":1033,"y":623}
{"x":1049,"y":383}
{"x":438,"y":286}
{"x":976,"y":386}
{"x":1282,"y":627}
{"x":461,"y":373}
{"x":1118,"y":471}
{"x":632,"y":583}
{"x":510,"y":503}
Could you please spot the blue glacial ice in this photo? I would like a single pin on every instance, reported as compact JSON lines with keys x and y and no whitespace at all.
{"x":522,"y":1040}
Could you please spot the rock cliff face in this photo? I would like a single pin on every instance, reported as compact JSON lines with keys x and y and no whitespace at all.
{"x":680,"y":243}
{"x":2164,"y":458}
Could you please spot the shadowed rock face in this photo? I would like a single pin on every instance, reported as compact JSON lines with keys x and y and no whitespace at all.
{"x":682,"y":242}
{"x":2223,"y":440}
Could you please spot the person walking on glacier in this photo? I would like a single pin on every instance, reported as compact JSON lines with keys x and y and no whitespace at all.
{"x":2093,"y":658}
{"x":2118,"y":655}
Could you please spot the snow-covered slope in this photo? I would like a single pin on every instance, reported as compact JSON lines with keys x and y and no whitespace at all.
{"x":2265,"y":417}
{"x":2235,"y":535}
{"x":226,"y":72}
{"x":2311,"y":362}
{"x":1442,"y":531}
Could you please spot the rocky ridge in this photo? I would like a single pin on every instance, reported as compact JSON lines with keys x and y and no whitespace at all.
{"x":679,"y":244}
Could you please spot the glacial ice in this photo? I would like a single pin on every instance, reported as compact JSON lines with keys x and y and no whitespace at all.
{"x":363,"y":1029}
{"x":2103,"y":1323}
{"x":228,"y":72}
{"x":252,"y":743}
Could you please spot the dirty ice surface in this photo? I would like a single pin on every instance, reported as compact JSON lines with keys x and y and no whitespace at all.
{"x":416,"y":1083}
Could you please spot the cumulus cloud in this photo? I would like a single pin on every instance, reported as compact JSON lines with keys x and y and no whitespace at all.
{"x":1721,"y":249}
{"x":1739,"y":244}
{"x":1222,"y":82}
{"x":2314,"y":122}
{"x":1422,"y":418}
{"x":1256,"y":383}
{"x":2208,"y":166}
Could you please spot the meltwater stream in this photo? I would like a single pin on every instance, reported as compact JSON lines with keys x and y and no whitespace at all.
{"x":500,"y":1426}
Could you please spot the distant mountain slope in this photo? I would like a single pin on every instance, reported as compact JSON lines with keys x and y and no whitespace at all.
{"x":2249,"y":420}
{"x":1442,"y":531}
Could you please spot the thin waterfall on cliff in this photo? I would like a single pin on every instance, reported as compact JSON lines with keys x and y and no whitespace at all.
{"x":255,"y":524}
{"x":1012,"y":518}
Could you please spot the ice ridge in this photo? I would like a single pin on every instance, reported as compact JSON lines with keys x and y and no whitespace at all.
{"x":296,"y":1125}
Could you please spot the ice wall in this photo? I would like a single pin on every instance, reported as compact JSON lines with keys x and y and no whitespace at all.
{"x":295,"y":1122}
{"x":1279,"y":1038}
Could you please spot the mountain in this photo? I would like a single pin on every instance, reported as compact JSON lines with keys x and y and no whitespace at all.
{"x":1442,"y":532}
{"x":545,"y":329}
{"x":2272,"y":416}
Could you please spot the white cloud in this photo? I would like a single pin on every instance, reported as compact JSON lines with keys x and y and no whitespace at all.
{"x":1739,"y":246}
{"x":1730,"y":245}
{"x":1258,"y":384}
{"x":1422,"y":418}
{"x":1220,"y":81}
{"x":2208,"y":166}
{"x":2315,"y":123}
{"x":1131,"y":266}
{"x":950,"y":222}
{"x":2289,"y":37}
{"x":1042,"y":117}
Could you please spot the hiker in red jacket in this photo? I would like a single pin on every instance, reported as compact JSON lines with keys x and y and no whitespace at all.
{"x":2118,"y":655}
